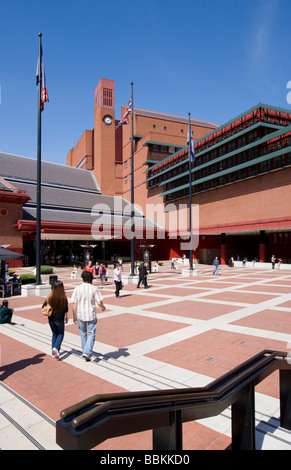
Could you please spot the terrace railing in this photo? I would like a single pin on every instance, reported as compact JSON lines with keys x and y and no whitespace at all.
{"x":100,"y":417}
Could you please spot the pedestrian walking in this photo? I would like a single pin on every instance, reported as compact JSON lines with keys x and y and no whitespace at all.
{"x":215,"y":265}
{"x":85,"y":298}
{"x":102,"y":273}
{"x":117,"y":279}
{"x":142,"y":272}
{"x":58,"y":301}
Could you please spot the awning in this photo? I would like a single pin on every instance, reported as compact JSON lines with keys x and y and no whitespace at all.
{"x":8,"y":254}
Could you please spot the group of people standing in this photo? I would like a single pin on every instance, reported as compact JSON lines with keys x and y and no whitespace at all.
{"x":97,"y":270}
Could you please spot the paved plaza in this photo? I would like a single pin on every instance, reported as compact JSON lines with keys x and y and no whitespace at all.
{"x":182,"y":332}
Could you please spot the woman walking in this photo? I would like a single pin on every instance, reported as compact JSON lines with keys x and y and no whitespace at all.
{"x":57,"y":299}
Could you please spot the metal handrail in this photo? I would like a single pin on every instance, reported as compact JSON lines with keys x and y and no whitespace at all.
{"x":91,"y":421}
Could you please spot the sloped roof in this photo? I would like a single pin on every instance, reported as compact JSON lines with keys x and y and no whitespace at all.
{"x":68,"y":195}
{"x":20,"y":168}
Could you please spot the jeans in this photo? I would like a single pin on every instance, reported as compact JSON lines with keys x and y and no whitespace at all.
{"x":58,"y":330}
{"x":215,"y":271}
{"x":87,"y":333}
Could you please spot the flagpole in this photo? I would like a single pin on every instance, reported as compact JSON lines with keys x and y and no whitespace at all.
{"x":132,"y":190}
{"x":190,"y":198}
{"x":38,"y":196}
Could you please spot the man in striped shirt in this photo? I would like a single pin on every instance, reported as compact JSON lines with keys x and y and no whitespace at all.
{"x":85,"y":298}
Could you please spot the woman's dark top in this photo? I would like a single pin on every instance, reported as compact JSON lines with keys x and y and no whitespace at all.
{"x":58,"y":316}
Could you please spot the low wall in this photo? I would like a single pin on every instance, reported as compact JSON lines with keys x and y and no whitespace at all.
{"x":258,"y":265}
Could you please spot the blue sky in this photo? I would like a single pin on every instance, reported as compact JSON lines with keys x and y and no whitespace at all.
{"x":214,"y":59}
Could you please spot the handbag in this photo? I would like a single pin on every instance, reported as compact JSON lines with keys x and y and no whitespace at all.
{"x":47,"y":310}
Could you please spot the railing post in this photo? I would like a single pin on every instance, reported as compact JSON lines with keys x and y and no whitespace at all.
{"x":285,"y":399}
{"x":169,"y":437}
{"x":243,"y":420}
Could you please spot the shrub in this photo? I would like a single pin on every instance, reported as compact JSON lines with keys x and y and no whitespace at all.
{"x":27,"y":278}
{"x":46,"y":269}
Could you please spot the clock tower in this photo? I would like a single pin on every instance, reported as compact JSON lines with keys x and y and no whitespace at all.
{"x":104,"y":136}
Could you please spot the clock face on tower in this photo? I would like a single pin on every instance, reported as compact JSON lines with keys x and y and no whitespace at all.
{"x":108,"y":120}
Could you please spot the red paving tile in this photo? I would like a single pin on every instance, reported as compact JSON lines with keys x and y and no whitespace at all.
{"x":242,"y":297}
{"x":161,"y":281}
{"x":180,"y":291}
{"x":126,"y":329}
{"x":273,"y":320}
{"x":244,"y":280}
{"x":214,"y":285}
{"x":33,"y":314}
{"x":19,"y":301}
{"x":49,"y":384}
{"x":216,"y":352}
{"x":130,"y":300}
{"x":195,"y":309}
{"x":271,"y":288}
{"x":286,"y":304}
{"x":282,"y":282}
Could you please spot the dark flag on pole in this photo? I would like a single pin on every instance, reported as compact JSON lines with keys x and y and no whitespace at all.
{"x":40,"y":75}
{"x":190,"y":143}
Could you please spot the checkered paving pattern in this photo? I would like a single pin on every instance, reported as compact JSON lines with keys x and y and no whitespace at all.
{"x":182,"y":332}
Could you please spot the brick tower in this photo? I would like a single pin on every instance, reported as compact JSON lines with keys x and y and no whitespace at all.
{"x":104,"y":136}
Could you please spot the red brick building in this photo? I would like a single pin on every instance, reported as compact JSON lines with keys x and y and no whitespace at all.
{"x":240,"y":178}
{"x":11,"y":209}
{"x":240,"y":188}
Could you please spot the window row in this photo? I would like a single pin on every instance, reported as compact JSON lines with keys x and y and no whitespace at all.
{"x":234,"y":160}
{"x":260,"y":168}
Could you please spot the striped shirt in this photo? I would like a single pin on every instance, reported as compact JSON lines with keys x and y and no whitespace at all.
{"x":87,"y":297}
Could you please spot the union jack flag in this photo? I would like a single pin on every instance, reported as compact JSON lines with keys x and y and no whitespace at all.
{"x":124,"y":119}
